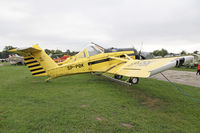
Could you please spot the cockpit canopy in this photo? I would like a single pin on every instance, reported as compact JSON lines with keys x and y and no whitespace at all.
{"x":90,"y":50}
{"x":94,"y":49}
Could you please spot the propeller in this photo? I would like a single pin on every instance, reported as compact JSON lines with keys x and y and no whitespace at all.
{"x":141,"y":57}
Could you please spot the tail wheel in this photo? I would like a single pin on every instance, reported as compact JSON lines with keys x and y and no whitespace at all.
{"x":134,"y":80}
{"x":118,"y":76}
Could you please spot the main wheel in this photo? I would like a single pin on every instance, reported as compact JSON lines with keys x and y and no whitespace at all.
{"x":118,"y":76}
{"x":134,"y":80}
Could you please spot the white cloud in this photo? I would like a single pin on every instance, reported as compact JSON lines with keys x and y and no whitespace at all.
{"x":12,"y":10}
{"x":66,"y":24}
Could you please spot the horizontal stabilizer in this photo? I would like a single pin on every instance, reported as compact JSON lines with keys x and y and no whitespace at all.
{"x":25,"y":50}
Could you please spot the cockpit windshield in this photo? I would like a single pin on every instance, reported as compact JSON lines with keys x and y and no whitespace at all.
{"x":90,"y":50}
{"x":93,"y":50}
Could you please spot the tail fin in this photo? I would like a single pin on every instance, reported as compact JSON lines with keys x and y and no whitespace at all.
{"x":37,"y":60}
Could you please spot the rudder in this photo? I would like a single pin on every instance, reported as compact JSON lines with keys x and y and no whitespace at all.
{"x":34,"y":66}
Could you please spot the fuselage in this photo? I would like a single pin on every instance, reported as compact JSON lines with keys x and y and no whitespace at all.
{"x":96,"y":63}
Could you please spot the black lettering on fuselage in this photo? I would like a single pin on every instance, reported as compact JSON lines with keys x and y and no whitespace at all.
{"x":75,"y":66}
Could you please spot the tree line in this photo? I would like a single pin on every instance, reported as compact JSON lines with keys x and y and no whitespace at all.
{"x":164,"y":52}
{"x":53,"y":53}
{"x":5,"y":54}
{"x":58,"y":53}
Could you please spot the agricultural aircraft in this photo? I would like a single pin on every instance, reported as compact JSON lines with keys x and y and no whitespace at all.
{"x":94,"y":58}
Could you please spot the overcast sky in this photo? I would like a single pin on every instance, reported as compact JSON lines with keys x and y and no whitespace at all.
{"x":73,"y":24}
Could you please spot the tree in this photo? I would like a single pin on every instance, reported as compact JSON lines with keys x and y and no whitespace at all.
{"x":47,"y":51}
{"x":161,"y":52}
{"x":5,"y":53}
{"x":52,"y":52}
{"x":156,"y":53}
{"x":73,"y":53}
{"x":164,"y":52}
{"x":1,"y":55}
{"x":58,"y":53}
{"x":6,"y":48}
{"x":183,"y":52}
{"x":67,"y":52}
{"x":195,"y":52}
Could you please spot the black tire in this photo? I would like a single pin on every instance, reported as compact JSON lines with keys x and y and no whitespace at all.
{"x":118,"y":76}
{"x":134,"y":80}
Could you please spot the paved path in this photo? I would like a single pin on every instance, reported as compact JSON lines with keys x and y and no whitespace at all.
{"x":182,"y":77}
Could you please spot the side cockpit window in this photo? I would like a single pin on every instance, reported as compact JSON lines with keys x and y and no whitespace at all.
{"x":82,"y":55}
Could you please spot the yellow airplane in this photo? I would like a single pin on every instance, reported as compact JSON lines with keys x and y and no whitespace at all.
{"x":94,"y":58}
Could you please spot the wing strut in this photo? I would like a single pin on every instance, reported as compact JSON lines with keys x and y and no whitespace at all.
{"x":180,"y":89}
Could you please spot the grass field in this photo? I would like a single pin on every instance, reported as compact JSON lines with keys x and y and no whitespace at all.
{"x":89,"y":103}
{"x":182,"y":68}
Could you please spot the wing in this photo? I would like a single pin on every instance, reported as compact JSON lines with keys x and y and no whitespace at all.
{"x":147,"y":68}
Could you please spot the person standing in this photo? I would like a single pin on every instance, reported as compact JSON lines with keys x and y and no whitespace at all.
{"x":198,"y":69}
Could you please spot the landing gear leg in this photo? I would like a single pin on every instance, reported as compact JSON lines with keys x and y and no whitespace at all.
{"x":133,"y":80}
{"x":118,"y":76}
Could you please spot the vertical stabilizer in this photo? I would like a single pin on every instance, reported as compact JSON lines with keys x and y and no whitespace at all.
{"x":36,"y":60}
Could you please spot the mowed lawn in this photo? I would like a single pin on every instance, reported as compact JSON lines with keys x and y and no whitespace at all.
{"x":89,"y":103}
{"x":183,"y":68}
